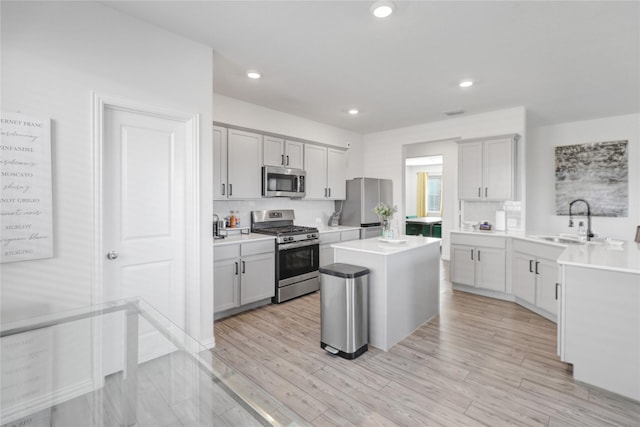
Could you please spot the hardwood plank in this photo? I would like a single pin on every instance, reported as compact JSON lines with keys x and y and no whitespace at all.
{"x":480,"y":362}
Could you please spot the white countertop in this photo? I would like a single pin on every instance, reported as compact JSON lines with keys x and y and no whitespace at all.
{"x":328,"y":229}
{"x":493,"y":233}
{"x":622,"y":258}
{"x":241,"y":238}
{"x":379,"y":247}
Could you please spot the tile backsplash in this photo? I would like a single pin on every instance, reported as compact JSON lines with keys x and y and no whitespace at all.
{"x":306,"y":211}
{"x":486,"y":211}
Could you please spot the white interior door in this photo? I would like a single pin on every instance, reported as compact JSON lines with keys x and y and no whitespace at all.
{"x":143,"y":223}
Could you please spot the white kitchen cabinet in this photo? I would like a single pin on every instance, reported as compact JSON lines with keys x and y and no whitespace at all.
{"x":524,"y":279}
{"x":219,"y":163}
{"x":282,"y":152}
{"x":237,"y":158}
{"x":487,"y":168}
{"x":327,"y":238}
{"x":535,"y":274}
{"x":478,"y":261}
{"x":243,"y":273}
{"x":336,"y":174}
{"x":326,"y":172}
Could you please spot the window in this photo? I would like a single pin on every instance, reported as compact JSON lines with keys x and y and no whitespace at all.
{"x":434,"y":194}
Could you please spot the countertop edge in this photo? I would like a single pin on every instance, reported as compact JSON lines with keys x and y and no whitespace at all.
{"x":243,"y":238}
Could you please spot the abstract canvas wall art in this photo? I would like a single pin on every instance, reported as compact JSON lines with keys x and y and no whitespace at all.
{"x":597,"y":172}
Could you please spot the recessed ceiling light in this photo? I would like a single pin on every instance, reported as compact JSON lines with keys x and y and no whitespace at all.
{"x":466,"y":83}
{"x":353,"y":111}
{"x":382,"y":8}
{"x":253,"y":74}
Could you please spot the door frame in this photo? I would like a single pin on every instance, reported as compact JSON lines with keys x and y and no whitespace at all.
{"x":192,"y":230}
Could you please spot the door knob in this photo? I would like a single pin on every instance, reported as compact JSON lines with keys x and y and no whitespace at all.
{"x":112,"y":255}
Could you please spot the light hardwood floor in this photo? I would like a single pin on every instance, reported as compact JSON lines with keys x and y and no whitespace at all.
{"x":481,"y":362}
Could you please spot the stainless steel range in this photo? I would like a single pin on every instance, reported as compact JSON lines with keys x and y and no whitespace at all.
{"x":297,"y":252}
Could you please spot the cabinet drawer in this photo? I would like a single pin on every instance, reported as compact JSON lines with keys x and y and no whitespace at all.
{"x":257,"y":247}
{"x":349,"y":235}
{"x":331,"y":237}
{"x":498,"y":242}
{"x":226,"y":252}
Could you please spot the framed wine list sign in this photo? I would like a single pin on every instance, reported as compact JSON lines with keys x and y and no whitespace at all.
{"x":26,"y":223}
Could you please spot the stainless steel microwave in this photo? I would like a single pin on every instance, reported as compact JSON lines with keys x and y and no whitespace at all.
{"x":283,"y":182}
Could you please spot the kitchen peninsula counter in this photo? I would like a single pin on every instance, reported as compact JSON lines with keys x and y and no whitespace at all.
{"x":404,"y":283}
{"x":599,"y":322}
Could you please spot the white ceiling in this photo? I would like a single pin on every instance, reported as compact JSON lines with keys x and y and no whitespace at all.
{"x":562,"y":60}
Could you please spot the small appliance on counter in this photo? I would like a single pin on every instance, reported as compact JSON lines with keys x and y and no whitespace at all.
{"x":218,"y":226}
{"x":484,"y":226}
{"x":334,"y":221}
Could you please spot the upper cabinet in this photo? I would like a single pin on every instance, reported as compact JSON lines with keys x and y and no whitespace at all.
{"x":487,"y":168}
{"x":237,"y":158}
{"x":326,"y":172}
{"x":283,"y":153}
{"x":219,"y":163}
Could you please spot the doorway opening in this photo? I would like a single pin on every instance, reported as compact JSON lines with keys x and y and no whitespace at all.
{"x":424,"y":195}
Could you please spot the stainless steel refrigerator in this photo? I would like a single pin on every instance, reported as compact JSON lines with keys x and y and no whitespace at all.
{"x":364,"y":194}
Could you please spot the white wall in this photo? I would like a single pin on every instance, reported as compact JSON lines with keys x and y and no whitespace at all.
{"x":383,"y":154}
{"x":541,"y":164}
{"x":54,"y":54}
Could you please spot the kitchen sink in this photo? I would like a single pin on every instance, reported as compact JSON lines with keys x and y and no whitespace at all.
{"x":560,"y":239}
{"x":563,"y":240}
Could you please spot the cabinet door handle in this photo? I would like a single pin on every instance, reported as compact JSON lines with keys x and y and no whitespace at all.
{"x":486,"y":189}
{"x":329,"y":191}
{"x":282,"y":159}
{"x":236,"y":263}
{"x":471,"y":254}
{"x":478,"y":254}
{"x":537,"y":262}
{"x":230,"y":189}
{"x":287,"y":160}
{"x":223,"y":189}
{"x":479,"y":190}
{"x":530,"y":266}
{"x":243,"y":265}
{"x":325,"y":192}
{"x":557,"y":284}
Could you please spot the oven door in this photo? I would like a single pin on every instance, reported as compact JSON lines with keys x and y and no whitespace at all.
{"x":297,"y":261}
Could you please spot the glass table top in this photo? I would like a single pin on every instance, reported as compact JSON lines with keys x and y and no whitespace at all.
{"x":122,"y":364}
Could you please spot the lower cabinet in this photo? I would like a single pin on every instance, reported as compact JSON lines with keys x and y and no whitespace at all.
{"x":535,"y":274}
{"x":330,"y":237}
{"x":243,"y":273}
{"x":478,"y":261}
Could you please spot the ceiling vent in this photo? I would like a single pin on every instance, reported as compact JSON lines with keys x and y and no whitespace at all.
{"x":455,"y":112}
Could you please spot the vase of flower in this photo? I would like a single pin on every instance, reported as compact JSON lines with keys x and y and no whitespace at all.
{"x":386,"y":228}
{"x":385,"y":213}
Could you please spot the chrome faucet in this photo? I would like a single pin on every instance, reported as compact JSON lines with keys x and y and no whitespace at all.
{"x":589,"y":232}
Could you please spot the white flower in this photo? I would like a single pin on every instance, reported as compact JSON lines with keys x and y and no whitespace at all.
{"x":384,"y":211}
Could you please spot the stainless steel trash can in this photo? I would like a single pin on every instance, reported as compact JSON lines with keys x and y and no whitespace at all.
{"x":344,"y":309}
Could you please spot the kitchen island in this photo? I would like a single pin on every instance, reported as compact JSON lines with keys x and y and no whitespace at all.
{"x":404,"y":283}
{"x":599,"y":321}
